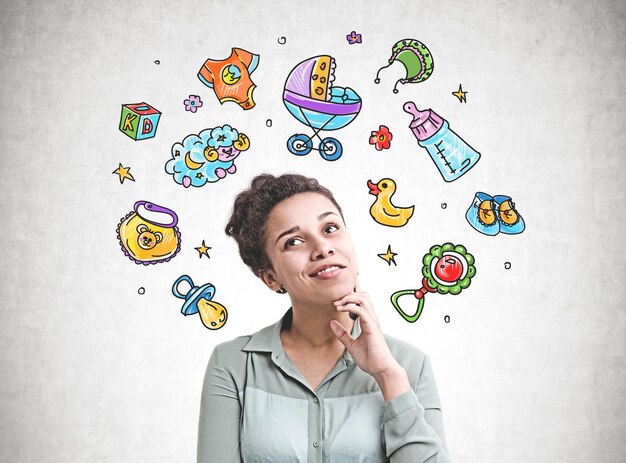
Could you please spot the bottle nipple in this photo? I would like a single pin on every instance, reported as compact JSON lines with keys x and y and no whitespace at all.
{"x":409,"y":107}
{"x":425,"y":123}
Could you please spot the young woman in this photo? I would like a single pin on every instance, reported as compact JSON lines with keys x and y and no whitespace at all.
{"x":323,"y":384}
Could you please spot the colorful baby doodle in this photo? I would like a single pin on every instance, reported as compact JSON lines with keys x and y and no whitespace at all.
{"x":492,"y":215}
{"x":353,"y":38}
{"x":415,"y":57}
{"x":383,"y":211}
{"x":146,"y":241}
{"x":207,"y":157}
{"x":203,"y":250}
{"x":192,"y":103}
{"x":230,"y":78}
{"x":149,"y":234}
{"x":311,"y":97}
{"x":448,"y":269}
{"x":450,"y":153}
{"x":123,"y":173}
{"x":381,"y":138}
{"x":460,"y":94}
{"x":389,"y":256}
{"x":198,"y":300}
{"x":139,"y":120}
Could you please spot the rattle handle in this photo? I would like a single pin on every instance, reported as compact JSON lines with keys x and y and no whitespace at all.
{"x":420,"y":305}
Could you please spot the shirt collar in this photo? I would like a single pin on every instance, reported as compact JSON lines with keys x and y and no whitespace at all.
{"x":268,"y":339}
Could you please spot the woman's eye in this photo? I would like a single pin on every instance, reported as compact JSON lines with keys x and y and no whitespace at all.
{"x":331,"y":228}
{"x":292,"y":242}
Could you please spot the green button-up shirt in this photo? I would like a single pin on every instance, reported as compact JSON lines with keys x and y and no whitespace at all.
{"x":257,"y":407}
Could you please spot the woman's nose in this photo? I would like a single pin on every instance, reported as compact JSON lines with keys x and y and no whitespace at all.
{"x":322,"y":249}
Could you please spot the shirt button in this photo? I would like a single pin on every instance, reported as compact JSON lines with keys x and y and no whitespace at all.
{"x":316,"y":444}
{"x":315,"y":400}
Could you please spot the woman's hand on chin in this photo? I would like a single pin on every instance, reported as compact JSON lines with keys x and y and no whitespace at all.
{"x":369,"y":350}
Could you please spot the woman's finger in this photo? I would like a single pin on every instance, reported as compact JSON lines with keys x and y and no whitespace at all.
{"x":369,"y":323}
{"x":354,"y":308}
{"x":362,"y":299}
{"x":355,"y":298}
{"x":341,"y":333}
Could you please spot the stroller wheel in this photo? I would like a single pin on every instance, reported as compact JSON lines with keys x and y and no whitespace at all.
{"x":300,"y":144}
{"x":330,"y":149}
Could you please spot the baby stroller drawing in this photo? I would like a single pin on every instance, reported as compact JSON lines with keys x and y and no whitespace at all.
{"x":310,"y":97}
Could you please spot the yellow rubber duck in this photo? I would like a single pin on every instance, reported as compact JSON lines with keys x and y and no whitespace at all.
{"x":382,"y":211}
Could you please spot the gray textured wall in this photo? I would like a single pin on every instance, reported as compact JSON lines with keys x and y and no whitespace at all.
{"x":531,"y":365}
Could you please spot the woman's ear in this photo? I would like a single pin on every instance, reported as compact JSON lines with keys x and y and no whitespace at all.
{"x":268,"y":277}
{"x":270,"y":281}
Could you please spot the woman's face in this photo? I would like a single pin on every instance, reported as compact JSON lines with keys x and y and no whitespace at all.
{"x":310,"y":251}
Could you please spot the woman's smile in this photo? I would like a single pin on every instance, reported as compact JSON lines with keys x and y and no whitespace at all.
{"x":327,"y":272}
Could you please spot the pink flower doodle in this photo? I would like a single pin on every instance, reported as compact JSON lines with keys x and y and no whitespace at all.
{"x":193,"y":103}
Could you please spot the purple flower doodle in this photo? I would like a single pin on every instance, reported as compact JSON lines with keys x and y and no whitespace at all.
{"x":353,"y":38}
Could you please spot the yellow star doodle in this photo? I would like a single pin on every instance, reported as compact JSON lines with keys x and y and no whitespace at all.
{"x":124,"y":173}
{"x":460,"y":94}
{"x":203,"y":250}
{"x":389,"y":256}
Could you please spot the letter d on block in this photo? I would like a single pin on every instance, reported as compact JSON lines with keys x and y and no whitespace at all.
{"x":147,"y":126}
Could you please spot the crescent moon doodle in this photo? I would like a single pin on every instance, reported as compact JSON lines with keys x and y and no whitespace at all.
{"x":192,"y":164}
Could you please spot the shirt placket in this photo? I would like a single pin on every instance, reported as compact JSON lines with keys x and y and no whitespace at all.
{"x":315,"y":415}
{"x":315,"y":427}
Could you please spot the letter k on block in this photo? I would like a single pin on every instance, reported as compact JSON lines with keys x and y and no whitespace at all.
{"x":128,"y":122}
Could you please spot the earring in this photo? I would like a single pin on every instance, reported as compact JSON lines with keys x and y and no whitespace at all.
{"x":281,"y":290}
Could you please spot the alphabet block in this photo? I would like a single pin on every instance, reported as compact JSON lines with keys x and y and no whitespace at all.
{"x":139,"y":121}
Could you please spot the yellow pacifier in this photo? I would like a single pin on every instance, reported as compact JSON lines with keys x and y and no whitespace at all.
{"x":198,"y":300}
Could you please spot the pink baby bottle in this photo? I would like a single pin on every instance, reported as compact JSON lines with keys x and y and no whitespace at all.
{"x":450,"y":153}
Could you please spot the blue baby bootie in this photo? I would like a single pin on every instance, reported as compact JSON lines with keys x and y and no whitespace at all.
{"x":481,"y":215}
{"x":511,"y":222}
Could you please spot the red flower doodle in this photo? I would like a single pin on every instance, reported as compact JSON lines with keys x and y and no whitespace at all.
{"x":381,"y":138}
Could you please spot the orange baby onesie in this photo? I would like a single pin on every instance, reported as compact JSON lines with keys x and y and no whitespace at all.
{"x":230,"y":78}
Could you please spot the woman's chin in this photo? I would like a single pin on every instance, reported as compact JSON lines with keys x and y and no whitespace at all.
{"x":338,"y":291}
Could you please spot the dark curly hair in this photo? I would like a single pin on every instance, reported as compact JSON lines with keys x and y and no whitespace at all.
{"x":252,"y":208}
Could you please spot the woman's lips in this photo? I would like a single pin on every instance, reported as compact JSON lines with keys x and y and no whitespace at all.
{"x":327,"y":272}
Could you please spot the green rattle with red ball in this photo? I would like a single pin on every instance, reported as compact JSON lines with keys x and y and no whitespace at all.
{"x":448,"y":269}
